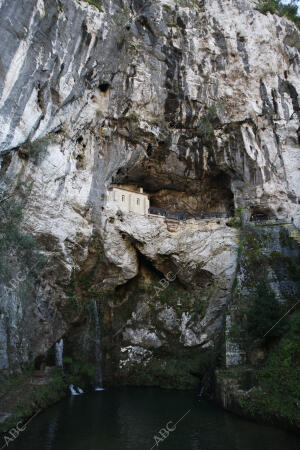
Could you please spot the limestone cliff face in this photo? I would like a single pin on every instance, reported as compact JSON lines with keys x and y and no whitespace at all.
{"x":175,"y":286}
{"x":195,"y":101}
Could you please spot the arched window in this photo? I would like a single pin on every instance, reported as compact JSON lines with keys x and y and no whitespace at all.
{"x":137,"y":201}
{"x":123,"y":198}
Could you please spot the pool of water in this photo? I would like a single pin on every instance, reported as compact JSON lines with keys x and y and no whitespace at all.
{"x":144,"y":419}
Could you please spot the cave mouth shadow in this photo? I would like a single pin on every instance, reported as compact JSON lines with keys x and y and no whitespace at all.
{"x":260,"y":213}
{"x":176,"y":194}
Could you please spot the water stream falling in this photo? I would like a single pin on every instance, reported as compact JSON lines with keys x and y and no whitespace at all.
{"x":73,"y":390}
{"x":59,"y":351}
{"x":59,"y":354}
{"x":98,"y":353}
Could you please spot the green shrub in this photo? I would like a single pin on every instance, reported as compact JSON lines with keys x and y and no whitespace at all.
{"x":184,"y":371}
{"x":264,"y":313}
{"x":33,"y":397}
{"x":236,"y":221}
{"x":289,"y":11}
{"x":16,"y":246}
{"x":187,"y":3}
{"x":285,"y":239}
{"x":290,"y":265}
{"x":278,"y":390}
{"x":206,"y":124}
{"x":96,"y":3}
{"x":78,"y":372}
{"x":235,"y":331}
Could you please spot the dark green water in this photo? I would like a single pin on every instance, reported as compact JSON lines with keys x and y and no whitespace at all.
{"x":129,"y":418}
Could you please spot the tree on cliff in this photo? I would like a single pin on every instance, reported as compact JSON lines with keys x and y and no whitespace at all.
{"x":264,"y":313}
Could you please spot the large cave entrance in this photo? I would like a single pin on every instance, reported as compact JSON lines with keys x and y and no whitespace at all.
{"x":180,"y":178}
{"x":211,"y":194}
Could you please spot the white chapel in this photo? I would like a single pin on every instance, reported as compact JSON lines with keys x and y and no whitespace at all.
{"x":129,"y":199}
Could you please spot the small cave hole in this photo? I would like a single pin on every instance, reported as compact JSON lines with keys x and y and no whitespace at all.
{"x":79,"y":140}
{"x":149,"y":150}
{"x":23,"y":155}
{"x":39,"y":363}
{"x":103,"y":87}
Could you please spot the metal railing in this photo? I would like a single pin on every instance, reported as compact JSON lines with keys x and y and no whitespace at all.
{"x":183,"y":216}
{"x":186,"y":216}
{"x":260,"y":218}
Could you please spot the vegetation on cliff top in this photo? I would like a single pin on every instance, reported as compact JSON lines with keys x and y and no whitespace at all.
{"x":290,"y":10}
{"x":96,"y":3}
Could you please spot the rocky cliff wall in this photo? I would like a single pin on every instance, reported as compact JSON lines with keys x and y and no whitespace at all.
{"x":195,"y":101}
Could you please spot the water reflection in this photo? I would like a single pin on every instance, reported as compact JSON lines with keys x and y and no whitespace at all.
{"x":129,"y":418}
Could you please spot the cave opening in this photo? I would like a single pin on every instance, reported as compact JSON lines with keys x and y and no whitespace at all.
{"x":149,"y":277}
{"x":261,"y":213}
{"x":211,"y":194}
{"x":103,"y":87}
{"x":179,"y":183}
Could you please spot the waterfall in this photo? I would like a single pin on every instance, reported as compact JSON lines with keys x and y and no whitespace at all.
{"x":59,"y":350}
{"x":201,"y":391}
{"x":98,"y":353}
{"x":75,"y":390}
